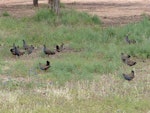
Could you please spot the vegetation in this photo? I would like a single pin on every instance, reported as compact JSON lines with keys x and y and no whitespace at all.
{"x":6,"y":13}
{"x":86,"y":77}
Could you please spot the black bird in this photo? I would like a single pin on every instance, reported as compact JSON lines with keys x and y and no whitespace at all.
{"x":130,"y":62}
{"x":129,"y":41}
{"x":45,"y":66}
{"x":12,"y":51}
{"x":25,"y":46}
{"x":129,"y":77}
{"x":124,"y":57}
{"x":30,"y":49}
{"x":60,"y":48}
{"x":57,"y":48}
{"x":47,"y":51}
{"x":16,"y":51}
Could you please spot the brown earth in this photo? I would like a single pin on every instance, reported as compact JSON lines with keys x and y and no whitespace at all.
{"x":111,"y":12}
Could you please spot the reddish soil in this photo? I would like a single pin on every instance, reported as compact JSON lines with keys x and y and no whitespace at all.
{"x":114,"y":12}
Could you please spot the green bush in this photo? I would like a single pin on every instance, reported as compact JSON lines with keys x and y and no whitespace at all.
{"x":6,"y":13}
{"x":66,"y":17}
{"x":96,"y":19}
{"x":44,"y":14}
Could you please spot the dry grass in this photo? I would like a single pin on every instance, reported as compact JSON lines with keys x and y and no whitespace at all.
{"x":107,"y":94}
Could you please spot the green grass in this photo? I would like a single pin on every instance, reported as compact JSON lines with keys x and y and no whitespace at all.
{"x":86,"y":77}
{"x":6,"y":13}
{"x":67,"y":17}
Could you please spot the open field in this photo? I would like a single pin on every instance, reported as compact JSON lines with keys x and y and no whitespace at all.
{"x":86,"y":77}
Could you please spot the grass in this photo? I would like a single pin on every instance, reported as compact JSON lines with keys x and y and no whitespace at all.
{"x":83,"y":96}
{"x":86,"y":77}
{"x":67,"y":17}
{"x":6,"y":13}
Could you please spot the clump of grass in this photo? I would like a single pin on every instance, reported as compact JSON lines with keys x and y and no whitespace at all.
{"x":11,"y":24}
{"x":44,"y":14}
{"x":140,"y":50}
{"x":18,"y":69}
{"x":5,"y":14}
{"x":96,"y":19}
{"x":73,"y":17}
{"x":66,"y":17}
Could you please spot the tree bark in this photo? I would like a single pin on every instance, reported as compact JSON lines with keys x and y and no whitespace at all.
{"x":55,"y":5}
{"x":50,"y":4}
{"x":35,"y":3}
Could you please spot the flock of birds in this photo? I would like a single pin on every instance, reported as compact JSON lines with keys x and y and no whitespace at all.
{"x":15,"y":50}
{"x":126,"y":59}
{"x":29,"y":49}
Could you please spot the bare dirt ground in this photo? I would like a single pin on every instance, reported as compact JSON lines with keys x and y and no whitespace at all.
{"x":111,"y":12}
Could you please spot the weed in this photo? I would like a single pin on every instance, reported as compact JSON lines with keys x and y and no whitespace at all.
{"x":6,"y":14}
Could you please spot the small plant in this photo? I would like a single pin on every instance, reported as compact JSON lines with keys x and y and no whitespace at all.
{"x":96,"y":19}
{"x":44,"y":14}
{"x":6,"y":13}
{"x":66,"y":17}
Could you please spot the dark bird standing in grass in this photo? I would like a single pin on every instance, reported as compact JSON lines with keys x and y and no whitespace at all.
{"x":129,"y":41}
{"x":25,"y":46}
{"x":30,"y":49}
{"x":45,"y":66}
{"x":47,"y":51}
{"x":14,"y":50}
{"x":57,"y":48}
{"x":130,"y":62}
{"x":124,"y":57}
{"x":129,"y":77}
{"x":17,"y":52}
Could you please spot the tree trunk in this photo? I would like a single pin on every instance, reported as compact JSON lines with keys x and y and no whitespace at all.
{"x":55,"y":5}
{"x":50,"y":4}
{"x":35,"y":3}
